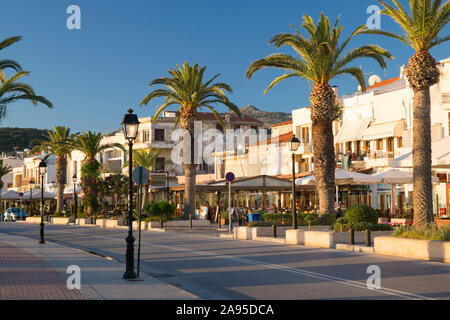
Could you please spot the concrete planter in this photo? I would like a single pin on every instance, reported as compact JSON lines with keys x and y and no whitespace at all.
{"x":321,"y":239}
{"x":442,"y":222}
{"x":401,"y":221}
{"x":243,"y":233}
{"x":114,"y":223}
{"x":101,"y":222}
{"x":360,"y":236}
{"x":83,"y":222}
{"x":413,"y":248}
{"x":33,"y":219}
{"x":143,"y":225}
{"x":179,"y":223}
{"x":58,"y":220}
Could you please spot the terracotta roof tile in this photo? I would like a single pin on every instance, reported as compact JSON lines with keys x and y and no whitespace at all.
{"x":281,"y":123}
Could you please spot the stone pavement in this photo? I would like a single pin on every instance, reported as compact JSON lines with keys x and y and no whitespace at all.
{"x":31,"y":271}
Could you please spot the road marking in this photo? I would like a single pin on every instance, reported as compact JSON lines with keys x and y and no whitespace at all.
{"x":316,"y":275}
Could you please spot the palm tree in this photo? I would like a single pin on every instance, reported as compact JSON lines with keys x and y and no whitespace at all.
{"x":186,"y":88}
{"x":4,"y":170}
{"x":12,"y":91}
{"x":421,"y":27}
{"x":90,"y":144}
{"x":8,"y":63}
{"x":320,"y":59}
{"x":147,"y":159}
{"x":60,"y":143}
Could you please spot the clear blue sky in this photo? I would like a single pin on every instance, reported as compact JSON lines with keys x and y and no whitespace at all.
{"x":95,"y":74}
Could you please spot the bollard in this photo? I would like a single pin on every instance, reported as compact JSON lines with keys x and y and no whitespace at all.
{"x":219,"y":220}
{"x":190,"y":221}
{"x":368,"y":238}
{"x":351,"y":235}
{"x":274,"y":231}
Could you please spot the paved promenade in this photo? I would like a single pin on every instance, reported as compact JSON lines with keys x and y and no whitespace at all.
{"x":30,"y":271}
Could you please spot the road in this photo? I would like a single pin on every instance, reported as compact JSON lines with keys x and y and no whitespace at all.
{"x":215,"y":268}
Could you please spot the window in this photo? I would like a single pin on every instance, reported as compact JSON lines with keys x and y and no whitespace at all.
{"x":146,"y":135}
{"x":305,"y":135}
{"x":400,"y":142}
{"x":255,"y":129}
{"x":159,"y":134}
{"x":160,"y":164}
{"x":390,"y":144}
{"x":380,"y":144}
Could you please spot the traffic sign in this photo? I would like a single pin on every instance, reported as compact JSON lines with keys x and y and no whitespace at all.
{"x":230,"y":177}
{"x":140,"y":175}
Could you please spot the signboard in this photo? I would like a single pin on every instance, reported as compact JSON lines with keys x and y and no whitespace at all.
{"x":230,"y":177}
{"x":140,"y":175}
{"x":158,"y":180}
{"x":441,"y":212}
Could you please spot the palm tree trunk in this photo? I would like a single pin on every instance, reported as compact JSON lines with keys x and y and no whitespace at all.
{"x":323,"y":102}
{"x":422,"y":73}
{"x":422,"y":188}
{"x":61,"y":172}
{"x":144,"y":199}
{"x":324,"y":165}
{"x":189,"y":189}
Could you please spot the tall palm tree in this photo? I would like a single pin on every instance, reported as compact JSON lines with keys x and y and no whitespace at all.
{"x":8,"y":63}
{"x":12,"y":91}
{"x":90,"y":144}
{"x":421,"y":28}
{"x":60,"y":143}
{"x":320,"y":59}
{"x":186,"y":88}
{"x":4,"y":170}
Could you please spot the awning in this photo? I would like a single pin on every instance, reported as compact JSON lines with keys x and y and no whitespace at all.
{"x":384,"y":130}
{"x":343,"y":177}
{"x":352,"y":130}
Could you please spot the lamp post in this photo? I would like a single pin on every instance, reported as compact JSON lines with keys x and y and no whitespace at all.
{"x":31,"y":185}
{"x":130,"y":125}
{"x":42,"y":172}
{"x":75,"y":200}
{"x":295,"y":143}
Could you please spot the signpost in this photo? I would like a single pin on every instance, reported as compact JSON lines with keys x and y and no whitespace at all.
{"x":229,"y":177}
{"x":140,"y":176}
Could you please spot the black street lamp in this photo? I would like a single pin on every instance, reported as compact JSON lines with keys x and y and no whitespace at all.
{"x":295,"y":143}
{"x":130,"y":126}
{"x":75,"y":204}
{"x":42,"y":172}
{"x":31,"y":185}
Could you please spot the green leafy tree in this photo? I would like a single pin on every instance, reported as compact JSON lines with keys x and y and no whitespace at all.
{"x":60,"y":143}
{"x":90,"y":144}
{"x":421,"y":26}
{"x":186,"y":88}
{"x":321,"y":57}
{"x":4,"y":170}
{"x":113,"y":187}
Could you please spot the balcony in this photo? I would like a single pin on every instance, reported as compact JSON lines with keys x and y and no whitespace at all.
{"x":379,"y":159}
{"x":304,"y":148}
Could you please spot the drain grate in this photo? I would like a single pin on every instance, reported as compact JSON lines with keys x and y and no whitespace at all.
{"x":90,"y":293}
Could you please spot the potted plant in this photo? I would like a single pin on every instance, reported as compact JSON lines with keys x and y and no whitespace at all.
{"x":162,"y":211}
{"x":224,"y":217}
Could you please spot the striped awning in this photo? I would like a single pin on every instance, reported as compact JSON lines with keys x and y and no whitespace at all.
{"x":352,"y":130}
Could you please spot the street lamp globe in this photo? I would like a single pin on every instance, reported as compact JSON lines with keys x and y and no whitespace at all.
{"x":295,"y":143}
{"x":130,"y":125}
{"x":74,"y":178}
{"x":31,"y":184}
{"x":42,"y":167}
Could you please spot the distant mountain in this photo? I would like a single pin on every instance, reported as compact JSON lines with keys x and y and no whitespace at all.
{"x":18,"y":137}
{"x":267,"y":117}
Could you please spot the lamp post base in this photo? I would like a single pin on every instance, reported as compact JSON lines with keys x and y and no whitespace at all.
{"x":130,"y":274}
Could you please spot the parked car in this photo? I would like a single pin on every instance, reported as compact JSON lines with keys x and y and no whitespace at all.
{"x":13,"y":214}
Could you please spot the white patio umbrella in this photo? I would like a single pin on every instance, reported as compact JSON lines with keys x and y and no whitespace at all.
{"x":37,"y":194}
{"x":10,"y":195}
{"x":393,"y":177}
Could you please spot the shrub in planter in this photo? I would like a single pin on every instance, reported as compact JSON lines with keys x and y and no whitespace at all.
{"x":427,"y":232}
{"x":162,"y":211}
{"x":360,"y":214}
